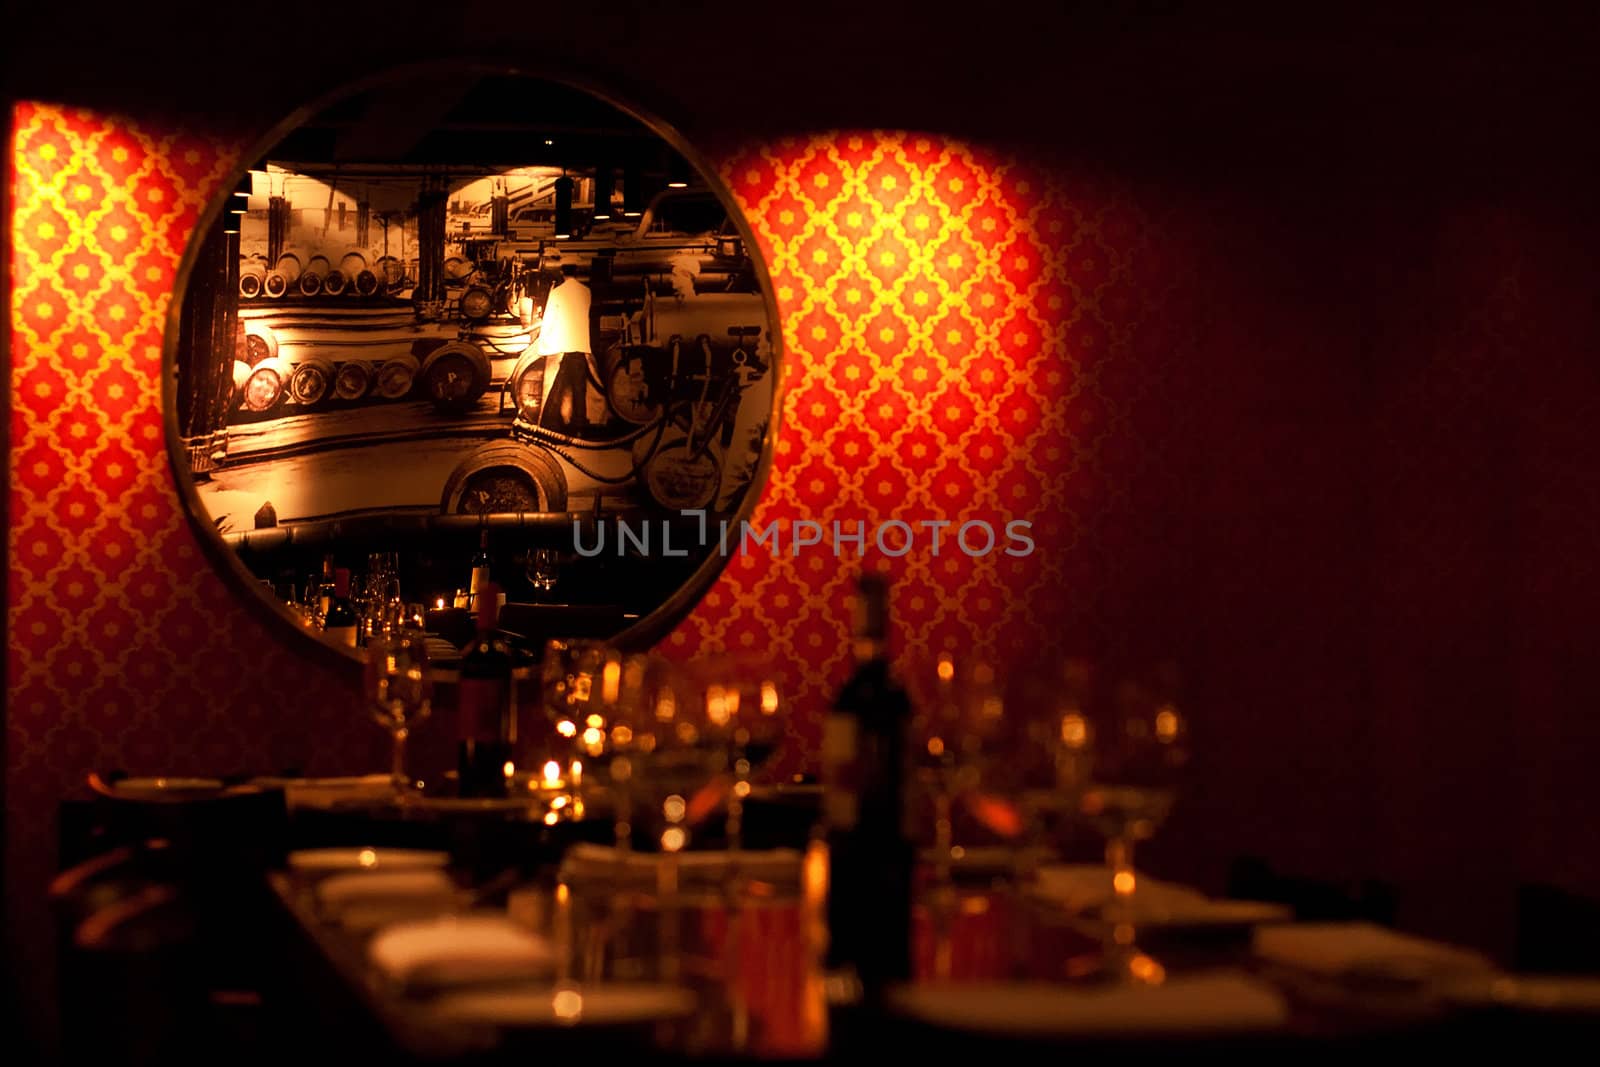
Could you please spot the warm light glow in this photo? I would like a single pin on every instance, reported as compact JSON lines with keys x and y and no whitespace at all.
{"x":769,"y":698}
{"x":551,"y":818}
{"x":567,"y":728}
{"x":558,"y":803}
{"x":1147,"y":970}
{"x":741,"y":789}
{"x":439,"y":603}
{"x":592,"y":739}
{"x":367,"y":858}
{"x":552,"y":774}
{"x":1166,"y":725}
{"x":673,"y":808}
{"x":947,"y":668}
{"x":610,"y":683}
{"x":1124,"y":883}
{"x":673,"y":838}
{"x":595,"y":721}
{"x":568,"y":1005}
{"x":509,"y":770}
{"x":666,"y":707}
{"x":717,"y":705}
{"x":576,"y":773}
{"x":935,"y":746}
{"x":621,"y":735}
{"x":1074,"y":730}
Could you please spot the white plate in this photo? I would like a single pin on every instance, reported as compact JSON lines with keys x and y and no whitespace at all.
{"x":609,"y":1004}
{"x":366,"y":859}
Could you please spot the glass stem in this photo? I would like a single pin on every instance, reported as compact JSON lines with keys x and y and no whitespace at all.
{"x":397,"y":765}
{"x":1120,"y":948}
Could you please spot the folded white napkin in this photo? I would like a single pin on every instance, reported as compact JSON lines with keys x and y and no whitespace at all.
{"x":1218,"y":1001}
{"x":1361,"y":949}
{"x":340,"y":889}
{"x":457,"y":950}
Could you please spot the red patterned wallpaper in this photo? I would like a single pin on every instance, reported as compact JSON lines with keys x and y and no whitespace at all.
{"x":952,"y":322}
{"x":1331,"y":447}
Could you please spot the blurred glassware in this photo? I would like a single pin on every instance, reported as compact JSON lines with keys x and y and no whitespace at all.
{"x":1136,"y":737}
{"x":542,"y":567}
{"x":972,"y":823}
{"x":742,"y":697}
{"x":581,"y":689}
{"x":400,"y":695}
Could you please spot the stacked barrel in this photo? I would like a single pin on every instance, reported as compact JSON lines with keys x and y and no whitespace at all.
{"x":317,"y":277}
{"x":453,"y":375}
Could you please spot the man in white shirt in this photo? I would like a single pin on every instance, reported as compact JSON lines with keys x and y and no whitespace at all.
{"x":570,"y":406}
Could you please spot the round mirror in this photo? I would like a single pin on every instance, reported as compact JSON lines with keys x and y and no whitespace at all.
{"x":462,"y":327}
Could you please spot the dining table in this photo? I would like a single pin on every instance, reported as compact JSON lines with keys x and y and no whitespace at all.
{"x":492,"y":932}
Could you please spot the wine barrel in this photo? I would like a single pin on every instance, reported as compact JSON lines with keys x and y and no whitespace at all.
{"x":267,"y":387}
{"x":502,"y":477}
{"x":477,"y":304}
{"x":635,"y":377}
{"x":260,"y":343}
{"x":310,"y":282}
{"x":366,"y":283}
{"x":310,"y":382}
{"x":289,"y":266}
{"x":319,"y":265}
{"x":335,"y":283}
{"x":241,"y":374}
{"x":274,"y":284}
{"x":390,"y":272}
{"x":455,"y":375}
{"x":396,"y":377}
{"x":673,"y":479}
{"x":250,"y":285}
{"x":352,"y":264}
{"x":352,"y":380}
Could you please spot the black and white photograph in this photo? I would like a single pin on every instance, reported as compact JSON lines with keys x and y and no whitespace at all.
{"x":454,"y":329}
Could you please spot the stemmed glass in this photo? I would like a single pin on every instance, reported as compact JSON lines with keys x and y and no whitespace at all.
{"x":400,"y":694}
{"x":742,"y":697}
{"x":542,"y":567}
{"x":1136,"y":740}
{"x":966,"y":787}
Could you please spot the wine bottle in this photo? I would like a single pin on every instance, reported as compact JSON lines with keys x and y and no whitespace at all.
{"x":324,"y":590}
{"x":480,"y":566}
{"x":340,"y":621}
{"x":485,"y":710}
{"x":870,"y":853}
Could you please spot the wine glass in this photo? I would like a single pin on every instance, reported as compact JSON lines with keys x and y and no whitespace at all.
{"x":581,"y":685}
{"x":966,"y":789}
{"x":400,"y":694}
{"x":741,"y":695}
{"x":1136,"y":739}
{"x":542,"y":568}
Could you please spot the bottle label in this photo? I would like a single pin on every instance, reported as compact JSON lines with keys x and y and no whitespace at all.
{"x":344,"y":635}
{"x":478,"y":708}
{"x":480,"y":578}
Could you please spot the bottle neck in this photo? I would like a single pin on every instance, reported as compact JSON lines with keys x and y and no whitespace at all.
{"x":868,"y":649}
